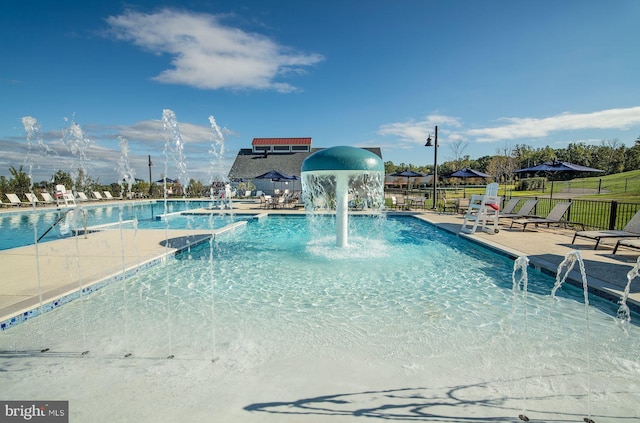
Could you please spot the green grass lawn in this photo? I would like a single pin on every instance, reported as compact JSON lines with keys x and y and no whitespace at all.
{"x":620,"y":187}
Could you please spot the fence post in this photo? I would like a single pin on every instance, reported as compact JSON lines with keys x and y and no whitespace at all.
{"x":613,"y":214}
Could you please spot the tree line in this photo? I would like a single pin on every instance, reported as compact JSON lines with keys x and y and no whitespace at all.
{"x":610,"y":156}
{"x":20,"y":183}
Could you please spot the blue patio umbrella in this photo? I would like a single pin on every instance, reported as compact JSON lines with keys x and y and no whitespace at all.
{"x":274,"y":175}
{"x":277,"y":176}
{"x":468,"y":173}
{"x":168,"y":180}
{"x":555,"y":167}
{"x":408,"y":174}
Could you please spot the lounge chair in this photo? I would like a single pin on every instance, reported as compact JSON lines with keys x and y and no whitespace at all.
{"x":48,"y":199}
{"x":97,"y":195}
{"x":82,"y":196}
{"x":525,"y":211}
{"x":509,"y":206}
{"x":630,"y":230}
{"x":555,"y":216}
{"x":108,"y":196}
{"x":462,"y":204}
{"x":15,"y":201}
{"x":631,"y":243}
{"x":33,"y":199}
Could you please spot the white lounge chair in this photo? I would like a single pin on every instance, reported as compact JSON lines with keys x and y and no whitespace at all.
{"x":83,"y":197}
{"x":33,"y":199}
{"x":48,"y":199}
{"x":630,"y":230}
{"x":15,"y":201}
{"x":97,"y":195}
{"x":555,"y":216}
{"x":108,"y":196}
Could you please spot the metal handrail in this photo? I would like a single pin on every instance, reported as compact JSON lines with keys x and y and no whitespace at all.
{"x":84,"y":214}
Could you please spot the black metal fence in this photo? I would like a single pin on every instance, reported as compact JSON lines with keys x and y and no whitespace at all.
{"x":593,"y":214}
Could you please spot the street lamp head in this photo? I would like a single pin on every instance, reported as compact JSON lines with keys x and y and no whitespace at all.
{"x":429,"y":143}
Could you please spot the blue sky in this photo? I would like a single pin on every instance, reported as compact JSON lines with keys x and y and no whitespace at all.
{"x":490,"y":74}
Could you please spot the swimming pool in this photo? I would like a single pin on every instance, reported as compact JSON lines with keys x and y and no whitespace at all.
{"x":18,"y":227}
{"x":407,"y":322}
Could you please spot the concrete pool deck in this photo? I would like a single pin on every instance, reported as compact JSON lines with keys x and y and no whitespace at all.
{"x":55,"y":269}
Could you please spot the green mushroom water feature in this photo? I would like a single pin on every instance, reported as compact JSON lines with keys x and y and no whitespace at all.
{"x":332,"y":175}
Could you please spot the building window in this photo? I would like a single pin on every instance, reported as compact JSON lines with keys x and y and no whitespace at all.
{"x":300,"y":147}
{"x":281,"y":148}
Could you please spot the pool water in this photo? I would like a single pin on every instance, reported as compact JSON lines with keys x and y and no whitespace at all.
{"x":406,"y":322}
{"x":18,"y":228}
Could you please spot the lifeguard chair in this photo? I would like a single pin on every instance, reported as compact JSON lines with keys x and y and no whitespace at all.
{"x":62,"y":195}
{"x":483,"y":211}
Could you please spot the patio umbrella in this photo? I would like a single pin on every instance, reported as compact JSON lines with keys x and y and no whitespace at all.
{"x":287,"y":179}
{"x":169,"y":180}
{"x":275,"y":175}
{"x":468,"y":173}
{"x":556,"y":167}
{"x":408,"y":174}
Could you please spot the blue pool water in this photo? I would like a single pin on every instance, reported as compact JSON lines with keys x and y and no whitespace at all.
{"x":18,"y":228}
{"x":298,"y":326}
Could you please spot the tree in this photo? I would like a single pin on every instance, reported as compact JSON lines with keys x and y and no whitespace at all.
{"x":503,"y":164}
{"x":195,"y":188}
{"x":577,"y":153}
{"x":482,"y":164}
{"x":20,"y":182}
{"x":4,"y":185}
{"x":62,"y":178}
{"x":457,"y":148}
{"x":632,"y":161}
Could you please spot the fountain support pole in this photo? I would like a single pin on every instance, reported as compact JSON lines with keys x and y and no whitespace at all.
{"x":343,"y":163}
{"x":342,"y":210}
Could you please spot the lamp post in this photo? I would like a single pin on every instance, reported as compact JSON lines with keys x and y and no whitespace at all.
{"x":150,"y":188}
{"x":435,"y":165}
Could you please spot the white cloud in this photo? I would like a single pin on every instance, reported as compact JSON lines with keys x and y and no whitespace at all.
{"x":535,"y":128}
{"x":413,"y":133}
{"x":209,"y":55}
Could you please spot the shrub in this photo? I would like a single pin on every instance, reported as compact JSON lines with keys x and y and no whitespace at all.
{"x":531,"y":184}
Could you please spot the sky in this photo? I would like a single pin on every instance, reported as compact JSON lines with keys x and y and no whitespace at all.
{"x":102,"y":85}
